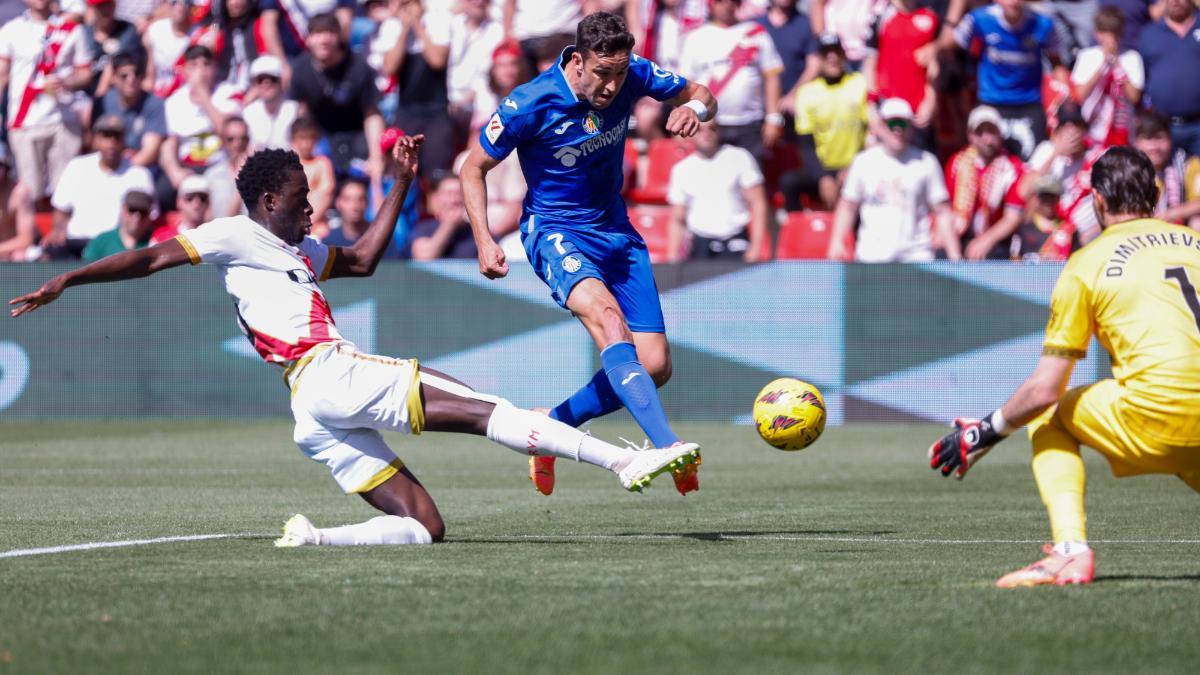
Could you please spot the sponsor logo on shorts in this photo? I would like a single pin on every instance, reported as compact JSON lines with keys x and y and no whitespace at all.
{"x":494,"y":128}
{"x":571,"y":264}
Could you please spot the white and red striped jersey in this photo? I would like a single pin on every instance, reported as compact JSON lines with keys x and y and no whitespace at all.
{"x":34,"y":50}
{"x":273,"y":284}
{"x":733,"y":63}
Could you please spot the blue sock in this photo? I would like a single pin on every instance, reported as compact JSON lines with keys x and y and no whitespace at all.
{"x":595,"y":399}
{"x":636,"y":390}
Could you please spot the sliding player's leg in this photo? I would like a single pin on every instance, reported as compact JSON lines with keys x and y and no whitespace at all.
{"x":449,"y":405}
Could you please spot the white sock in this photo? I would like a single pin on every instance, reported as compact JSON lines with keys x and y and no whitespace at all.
{"x":1070,"y":548}
{"x":532,"y":433}
{"x":378,"y":530}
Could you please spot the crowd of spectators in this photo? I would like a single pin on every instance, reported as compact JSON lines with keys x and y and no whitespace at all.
{"x":918,"y":129}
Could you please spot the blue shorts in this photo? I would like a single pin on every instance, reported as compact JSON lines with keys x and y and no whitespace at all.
{"x":563,"y":256}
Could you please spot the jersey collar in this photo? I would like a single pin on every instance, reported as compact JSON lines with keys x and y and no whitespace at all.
{"x":563,"y":84}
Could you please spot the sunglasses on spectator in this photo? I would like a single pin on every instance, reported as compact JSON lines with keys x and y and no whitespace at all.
{"x":195,"y":195}
{"x":897,"y":125}
{"x":108,"y":133}
{"x":138,"y":212}
{"x":266,"y":79}
{"x":237,"y":139}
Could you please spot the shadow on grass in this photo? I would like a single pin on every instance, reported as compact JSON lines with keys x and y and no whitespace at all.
{"x":1194,"y":578}
{"x":723,"y":536}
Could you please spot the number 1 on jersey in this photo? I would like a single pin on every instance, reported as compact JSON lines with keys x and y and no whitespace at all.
{"x":1189,"y":291}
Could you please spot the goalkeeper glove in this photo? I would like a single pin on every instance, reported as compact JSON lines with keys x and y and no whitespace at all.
{"x":958,"y":450}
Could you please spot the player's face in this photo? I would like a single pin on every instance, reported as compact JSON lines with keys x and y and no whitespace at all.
{"x":1179,"y":10}
{"x":352,"y":203}
{"x":324,"y":45}
{"x":707,"y":139}
{"x":600,"y":76}
{"x":833,"y":63}
{"x":1157,"y":148}
{"x":293,"y":213}
{"x":986,"y":139}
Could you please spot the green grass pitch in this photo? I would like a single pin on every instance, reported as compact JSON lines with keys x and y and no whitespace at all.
{"x":851,"y":556}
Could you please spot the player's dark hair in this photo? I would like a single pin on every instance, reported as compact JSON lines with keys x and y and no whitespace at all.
{"x":353,"y":180}
{"x":603,"y":33}
{"x":303,"y":124}
{"x":1125,"y":178}
{"x":198,"y":52}
{"x":265,"y":171}
{"x":1110,"y":19}
{"x":324,"y":23}
{"x":1150,"y":124}
{"x":122,"y":59}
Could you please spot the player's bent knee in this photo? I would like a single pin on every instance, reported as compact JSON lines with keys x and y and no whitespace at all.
{"x":435,"y":526}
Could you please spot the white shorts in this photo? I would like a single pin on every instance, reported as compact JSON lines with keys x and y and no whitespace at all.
{"x":341,"y":398}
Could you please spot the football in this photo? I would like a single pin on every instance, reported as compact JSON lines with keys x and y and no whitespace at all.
{"x":789,"y":414}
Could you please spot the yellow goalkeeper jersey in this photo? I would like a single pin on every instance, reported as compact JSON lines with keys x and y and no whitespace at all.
{"x":1135,"y":288}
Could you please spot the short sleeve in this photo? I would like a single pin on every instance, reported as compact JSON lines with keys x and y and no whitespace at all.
{"x":6,"y":46}
{"x":1070,"y":326}
{"x":1087,"y":62}
{"x":506,"y":129}
{"x":80,"y":55}
{"x":1191,"y":179}
{"x":854,"y":190}
{"x":1131,"y":63}
{"x":804,"y":120}
{"x":320,"y":256}
{"x":652,"y":80}
{"x":768,"y":56}
{"x":155,"y":116}
{"x":965,"y":31}
{"x":437,"y":27}
{"x":219,"y":242}
{"x":63,"y":198}
{"x":937,"y":181}
{"x":748,"y":174}
{"x":677,"y":194}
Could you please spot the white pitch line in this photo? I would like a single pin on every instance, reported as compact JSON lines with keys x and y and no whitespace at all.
{"x":22,"y":552}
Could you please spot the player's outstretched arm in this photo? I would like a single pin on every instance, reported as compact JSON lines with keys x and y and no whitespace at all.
{"x":492,"y":262}
{"x":361,"y":259}
{"x":693,"y":105}
{"x":959,"y":450}
{"x":125,"y":265}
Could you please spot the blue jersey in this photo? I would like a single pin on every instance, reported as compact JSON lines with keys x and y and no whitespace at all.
{"x":571,"y":153}
{"x":1010,"y":67}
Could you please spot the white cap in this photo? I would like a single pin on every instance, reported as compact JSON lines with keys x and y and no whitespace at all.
{"x":984,"y":114}
{"x":895,"y":109}
{"x":193,"y":184}
{"x":266,"y":65}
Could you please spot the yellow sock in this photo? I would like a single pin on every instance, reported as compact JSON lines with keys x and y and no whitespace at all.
{"x":1058,"y":470}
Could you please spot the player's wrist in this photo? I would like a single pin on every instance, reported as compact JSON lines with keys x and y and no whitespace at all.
{"x":993,"y":429}
{"x":699,"y":108}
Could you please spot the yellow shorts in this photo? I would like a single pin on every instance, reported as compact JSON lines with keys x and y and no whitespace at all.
{"x":1096,"y":416}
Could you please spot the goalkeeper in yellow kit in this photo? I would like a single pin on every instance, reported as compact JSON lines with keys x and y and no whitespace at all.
{"x":1134,"y":288}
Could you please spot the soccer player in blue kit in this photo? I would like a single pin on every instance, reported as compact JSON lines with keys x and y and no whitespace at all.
{"x":568,"y":127}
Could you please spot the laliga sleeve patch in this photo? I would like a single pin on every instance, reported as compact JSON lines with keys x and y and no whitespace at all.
{"x":494,"y":128}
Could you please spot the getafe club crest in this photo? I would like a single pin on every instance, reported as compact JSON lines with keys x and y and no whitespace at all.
{"x":592,"y":122}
